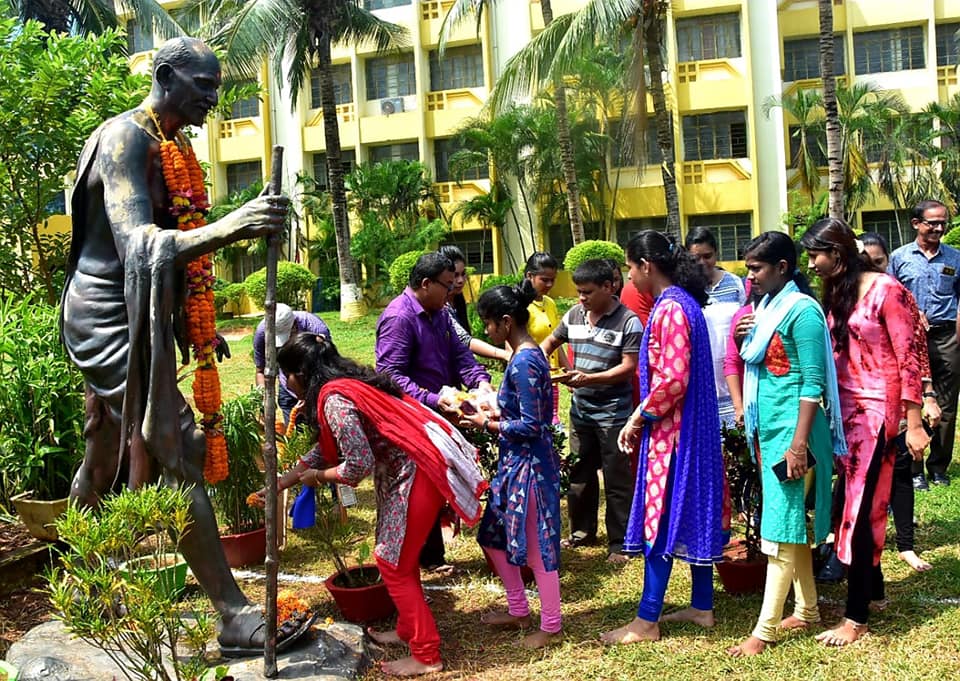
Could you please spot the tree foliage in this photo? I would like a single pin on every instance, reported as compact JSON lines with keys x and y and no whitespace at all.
{"x":54,"y":90}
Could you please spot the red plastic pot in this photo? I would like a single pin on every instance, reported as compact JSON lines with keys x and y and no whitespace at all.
{"x":246,"y":548}
{"x":364,"y":603}
{"x":737,"y":574}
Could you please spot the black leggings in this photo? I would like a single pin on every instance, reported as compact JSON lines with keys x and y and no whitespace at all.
{"x":901,"y":500}
{"x":864,"y":579}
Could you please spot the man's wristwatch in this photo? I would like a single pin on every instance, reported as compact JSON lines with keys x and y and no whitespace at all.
{"x":930,"y":393}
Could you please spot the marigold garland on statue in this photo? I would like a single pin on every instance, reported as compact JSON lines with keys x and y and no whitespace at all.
{"x":188,"y":197}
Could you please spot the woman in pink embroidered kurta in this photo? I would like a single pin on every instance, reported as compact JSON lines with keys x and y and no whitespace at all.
{"x":872,"y":320}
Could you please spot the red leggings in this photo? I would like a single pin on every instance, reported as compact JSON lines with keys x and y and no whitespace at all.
{"x":415,"y":623}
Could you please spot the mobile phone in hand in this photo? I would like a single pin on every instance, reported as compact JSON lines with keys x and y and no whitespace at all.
{"x":780,"y":468}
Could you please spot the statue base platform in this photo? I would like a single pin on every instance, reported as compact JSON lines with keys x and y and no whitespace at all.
{"x":339,"y":651}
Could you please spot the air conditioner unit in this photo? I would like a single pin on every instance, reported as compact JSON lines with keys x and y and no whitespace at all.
{"x":391,"y":106}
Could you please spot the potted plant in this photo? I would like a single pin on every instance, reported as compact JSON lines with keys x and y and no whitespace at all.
{"x":41,"y":398}
{"x":744,"y":567}
{"x":243,"y":535}
{"x":359,"y":591}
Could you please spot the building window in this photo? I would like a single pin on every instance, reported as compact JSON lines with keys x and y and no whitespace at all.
{"x":385,"y":4}
{"x":884,"y":223}
{"x":348,"y":159}
{"x":894,"y":49}
{"x":443,"y":149}
{"x":716,"y":135}
{"x":733,"y":231}
{"x":815,"y":146}
{"x":477,"y":247}
{"x":242,"y":175}
{"x":948,"y":44}
{"x":801,"y":58}
{"x":560,"y":240}
{"x":342,"y":86}
{"x":139,"y":39}
{"x":460,"y":67}
{"x":715,"y":36}
{"x":627,"y":229}
{"x":390,"y":77}
{"x":622,"y":144}
{"x":245,"y":108}
{"x":408,"y":151}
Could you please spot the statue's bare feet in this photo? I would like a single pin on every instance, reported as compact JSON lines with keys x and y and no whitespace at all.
{"x":752,"y":646}
{"x":638,"y":630}
{"x":505,"y":620}
{"x":913,"y":560}
{"x":409,"y":666}
{"x":843,"y":634}
{"x":794,"y":622}
{"x":702,"y":617}
{"x":384,"y":638}
{"x":541,"y":639}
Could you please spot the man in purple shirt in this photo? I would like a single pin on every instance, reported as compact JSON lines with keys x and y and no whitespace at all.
{"x":419,"y":348}
{"x":289,"y":323}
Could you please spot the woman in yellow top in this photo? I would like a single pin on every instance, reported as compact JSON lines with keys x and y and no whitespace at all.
{"x":541,"y":270}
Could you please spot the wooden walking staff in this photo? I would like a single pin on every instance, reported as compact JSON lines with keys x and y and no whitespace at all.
{"x":270,"y":430}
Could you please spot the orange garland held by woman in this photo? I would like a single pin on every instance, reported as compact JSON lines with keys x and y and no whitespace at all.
{"x":188,"y":197}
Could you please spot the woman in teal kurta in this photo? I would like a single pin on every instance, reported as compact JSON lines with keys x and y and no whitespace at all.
{"x":790,"y":380}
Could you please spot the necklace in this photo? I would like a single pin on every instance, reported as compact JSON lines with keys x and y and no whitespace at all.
{"x":189,"y":204}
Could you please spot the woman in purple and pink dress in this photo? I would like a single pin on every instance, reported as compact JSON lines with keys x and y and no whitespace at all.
{"x":872,"y":325}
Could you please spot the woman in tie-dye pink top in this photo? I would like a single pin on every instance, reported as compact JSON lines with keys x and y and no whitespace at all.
{"x":872,"y":324}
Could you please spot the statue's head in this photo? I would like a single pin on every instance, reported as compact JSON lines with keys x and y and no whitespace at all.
{"x":186,"y":76}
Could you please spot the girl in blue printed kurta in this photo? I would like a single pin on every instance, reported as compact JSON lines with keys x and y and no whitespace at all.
{"x":521,"y":525}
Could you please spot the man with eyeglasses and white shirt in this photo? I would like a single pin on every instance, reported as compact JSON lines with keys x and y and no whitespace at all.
{"x":931,"y":271}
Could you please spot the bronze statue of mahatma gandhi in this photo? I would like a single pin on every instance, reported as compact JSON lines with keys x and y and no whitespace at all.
{"x":122,"y":317}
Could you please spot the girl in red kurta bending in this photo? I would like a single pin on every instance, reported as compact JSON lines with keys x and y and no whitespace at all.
{"x":872,"y":324}
{"x":419,"y":462}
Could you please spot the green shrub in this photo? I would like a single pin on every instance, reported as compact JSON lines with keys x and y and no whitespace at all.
{"x":293,"y":283}
{"x":400,"y":269}
{"x":41,"y":403}
{"x":499,"y":280}
{"x":952,"y":238}
{"x":242,"y":431}
{"x":589,"y":250}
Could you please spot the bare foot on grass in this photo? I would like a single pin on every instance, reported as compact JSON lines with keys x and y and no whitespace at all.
{"x":843,"y":634}
{"x":540,"y":639}
{"x":384,"y":638}
{"x":752,"y":646}
{"x":702,"y":617}
{"x":638,"y":630}
{"x":505,"y":620}
{"x":617,"y":559}
{"x":409,"y":666}
{"x":913,"y":560}
{"x":794,"y":622}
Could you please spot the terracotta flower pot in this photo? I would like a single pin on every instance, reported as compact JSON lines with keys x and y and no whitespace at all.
{"x":737,"y":574}
{"x":171,"y":571}
{"x":245,"y":548}
{"x":361,"y":604}
{"x":39,"y":516}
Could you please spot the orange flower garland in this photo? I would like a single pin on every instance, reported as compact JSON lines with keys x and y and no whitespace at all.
{"x":189,"y":204}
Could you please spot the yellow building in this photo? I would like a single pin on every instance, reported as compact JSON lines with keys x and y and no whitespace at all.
{"x":726,"y":58}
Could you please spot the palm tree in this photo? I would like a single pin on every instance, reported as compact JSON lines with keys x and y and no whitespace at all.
{"x":462,"y":9}
{"x":806,"y":107}
{"x":834,"y":152}
{"x":942,"y":121}
{"x":490,"y":210}
{"x":94,"y":16}
{"x":300,"y":33}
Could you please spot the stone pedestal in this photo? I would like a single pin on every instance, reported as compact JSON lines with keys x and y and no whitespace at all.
{"x":49,"y":653}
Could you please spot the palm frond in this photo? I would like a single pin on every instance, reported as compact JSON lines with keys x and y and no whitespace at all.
{"x":360,"y":26}
{"x":457,"y":14}
{"x":149,"y":13}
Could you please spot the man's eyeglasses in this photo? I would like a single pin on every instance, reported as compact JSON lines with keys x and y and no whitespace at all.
{"x":449,"y":286}
{"x":935,"y":223}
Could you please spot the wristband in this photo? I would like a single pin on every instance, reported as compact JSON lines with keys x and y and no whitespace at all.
{"x":930,"y":393}
{"x":486,"y":423}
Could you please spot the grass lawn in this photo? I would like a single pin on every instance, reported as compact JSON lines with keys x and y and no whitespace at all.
{"x":916,"y":637}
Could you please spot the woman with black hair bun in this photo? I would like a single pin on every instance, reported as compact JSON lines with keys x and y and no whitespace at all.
{"x":873,"y":321}
{"x":680,"y":509}
{"x":790,"y":372}
{"x":420,"y":462}
{"x":521,"y":525}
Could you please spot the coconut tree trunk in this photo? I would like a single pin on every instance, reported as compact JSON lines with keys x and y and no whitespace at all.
{"x":351,"y":297}
{"x":652,"y":25}
{"x":834,"y":159}
{"x":566,"y":148}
